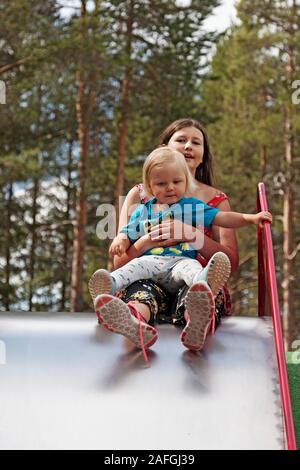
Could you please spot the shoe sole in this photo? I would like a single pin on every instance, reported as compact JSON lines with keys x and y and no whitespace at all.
{"x":116,"y":316}
{"x":100,"y":283}
{"x":219,"y":272}
{"x":200,"y":305}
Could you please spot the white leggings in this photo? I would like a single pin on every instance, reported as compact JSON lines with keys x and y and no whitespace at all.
{"x":172,"y":272}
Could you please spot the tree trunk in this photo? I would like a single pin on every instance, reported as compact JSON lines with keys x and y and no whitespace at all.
{"x":66,"y":243}
{"x":123,"y":120}
{"x":123,"y":126}
{"x":7,"y":248}
{"x":288,"y":198}
{"x":84,"y":105}
{"x":288,"y":236}
{"x":262,"y":161}
{"x":81,"y":205}
{"x":35,"y":192}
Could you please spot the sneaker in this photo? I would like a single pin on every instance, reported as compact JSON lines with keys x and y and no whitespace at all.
{"x":200,"y":309}
{"x":216,"y":273}
{"x":101,"y":282}
{"x":124,"y":319}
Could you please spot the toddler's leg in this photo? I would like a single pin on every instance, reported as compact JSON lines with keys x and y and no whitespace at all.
{"x":185,"y":270}
{"x":103,"y":282}
{"x":216,"y":273}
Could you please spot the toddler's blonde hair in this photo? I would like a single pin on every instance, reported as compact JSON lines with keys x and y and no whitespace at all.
{"x":158,"y":158}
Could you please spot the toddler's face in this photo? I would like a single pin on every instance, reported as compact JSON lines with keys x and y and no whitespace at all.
{"x":168,"y":183}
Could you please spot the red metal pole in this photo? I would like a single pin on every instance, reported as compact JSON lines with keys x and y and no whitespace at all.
{"x":275,"y":311}
{"x":261,"y":266}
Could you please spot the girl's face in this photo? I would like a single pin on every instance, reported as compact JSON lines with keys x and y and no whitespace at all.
{"x":190,"y":142}
{"x":168,"y":183}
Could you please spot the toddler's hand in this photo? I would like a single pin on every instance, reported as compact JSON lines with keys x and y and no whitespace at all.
{"x":118,"y":247}
{"x":260,"y":217}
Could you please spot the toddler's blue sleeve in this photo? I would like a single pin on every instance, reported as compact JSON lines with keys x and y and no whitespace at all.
{"x":209,"y":215}
{"x":204,"y":214}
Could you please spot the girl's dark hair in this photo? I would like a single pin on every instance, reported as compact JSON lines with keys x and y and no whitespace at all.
{"x":204,"y":171}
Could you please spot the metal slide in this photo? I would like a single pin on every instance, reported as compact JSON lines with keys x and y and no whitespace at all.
{"x":67,"y":383}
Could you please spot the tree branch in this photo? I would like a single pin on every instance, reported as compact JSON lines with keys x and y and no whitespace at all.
{"x":8,"y":67}
{"x":294,"y":252}
{"x":246,"y":259}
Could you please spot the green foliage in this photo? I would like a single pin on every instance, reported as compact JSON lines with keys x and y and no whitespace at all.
{"x":43,"y":51}
{"x":240,"y":96}
{"x":245,"y":96}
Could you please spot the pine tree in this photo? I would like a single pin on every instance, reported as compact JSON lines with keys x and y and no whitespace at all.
{"x":24,"y":35}
{"x":248,"y":99}
{"x":281,"y":20}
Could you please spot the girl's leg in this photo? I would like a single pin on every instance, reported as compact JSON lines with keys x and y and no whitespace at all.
{"x":150,"y":299}
{"x":196,"y":305}
{"x":142,"y":309}
{"x":144,"y":300}
{"x":125,"y":319}
{"x":199,"y":314}
{"x":180,"y":314}
{"x":191,"y":309}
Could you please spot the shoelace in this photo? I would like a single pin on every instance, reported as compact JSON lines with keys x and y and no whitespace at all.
{"x":141,"y":320}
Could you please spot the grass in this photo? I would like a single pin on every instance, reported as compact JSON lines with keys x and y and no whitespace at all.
{"x":293,"y":370}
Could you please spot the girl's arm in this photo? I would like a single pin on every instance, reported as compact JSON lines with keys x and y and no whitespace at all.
{"x":135,"y":250}
{"x":224,"y":239}
{"x":119,"y":245}
{"x":132,"y":200}
{"x":144,"y":243}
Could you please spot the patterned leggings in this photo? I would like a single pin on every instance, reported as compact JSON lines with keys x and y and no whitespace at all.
{"x":171,"y":272}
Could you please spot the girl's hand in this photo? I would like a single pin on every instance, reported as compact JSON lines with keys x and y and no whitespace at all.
{"x":173,"y":230}
{"x":148,"y":243}
{"x":160,"y":241}
{"x":261,"y":217}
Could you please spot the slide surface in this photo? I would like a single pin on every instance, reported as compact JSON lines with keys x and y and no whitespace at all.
{"x":68,"y":383}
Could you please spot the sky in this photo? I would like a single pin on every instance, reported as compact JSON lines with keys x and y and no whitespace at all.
{"x":222,"y":18}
